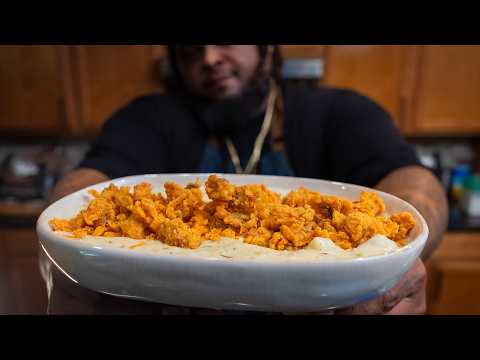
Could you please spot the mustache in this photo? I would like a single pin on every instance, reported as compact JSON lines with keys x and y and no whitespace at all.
{"x":231,"y":115}
{"x":212,"y":75}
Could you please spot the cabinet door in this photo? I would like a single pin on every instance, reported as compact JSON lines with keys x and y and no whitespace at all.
{"x":109,"y":77}
{"x":446,"y":88}
{"x":6,"y":300}
{"x":453,"y":283}
{"x":21,"y":281}
{"x":31,"y":90}
{"x":373,"y":70}
{"x":454,"y":287}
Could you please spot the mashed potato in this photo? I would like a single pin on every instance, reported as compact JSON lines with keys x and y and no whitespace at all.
{"x":234,"y":249}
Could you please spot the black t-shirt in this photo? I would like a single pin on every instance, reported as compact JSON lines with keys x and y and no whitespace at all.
{"x":331,"y":134}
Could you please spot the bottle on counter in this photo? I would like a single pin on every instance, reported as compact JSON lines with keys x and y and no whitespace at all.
{"x":470,"y":199}
{"x":459,"y":174}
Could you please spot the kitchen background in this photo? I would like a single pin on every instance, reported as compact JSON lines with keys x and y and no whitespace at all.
{"x":54,"y":99}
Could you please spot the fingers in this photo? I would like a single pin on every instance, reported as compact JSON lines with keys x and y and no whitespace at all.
{"x":411,"y":283}
{"x":415,"y":304}
{"x":371,"y":307}
{"x":406,"y":297}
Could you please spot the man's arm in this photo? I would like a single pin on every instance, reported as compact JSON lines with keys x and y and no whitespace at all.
{"x":74,"y":181}
{"x":420,"y":188}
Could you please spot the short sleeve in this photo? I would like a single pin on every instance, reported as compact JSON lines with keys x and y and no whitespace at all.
{"x":129,"y":142}
{"x":363,"y":143}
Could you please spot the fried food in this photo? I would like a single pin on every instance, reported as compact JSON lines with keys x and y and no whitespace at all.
{"x":252,"y":212}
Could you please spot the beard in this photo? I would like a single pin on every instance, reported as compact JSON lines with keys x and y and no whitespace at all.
{"x":232,"y":115}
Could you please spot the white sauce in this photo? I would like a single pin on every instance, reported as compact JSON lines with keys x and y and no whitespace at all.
{"x":233,"y":249}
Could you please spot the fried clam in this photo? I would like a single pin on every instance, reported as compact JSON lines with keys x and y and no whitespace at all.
{"x":253,"y":213}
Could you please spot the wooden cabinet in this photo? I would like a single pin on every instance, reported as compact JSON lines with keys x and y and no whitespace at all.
{"x":373,"y":70}
{"x":445,"y":83}
{"x":31,"y":90}
{"x":22,"y":290}
{"x":428,"y":90}
{"x":6,"y":302}
{"x":108,"y":77}
{"x":72,"y":90}
{"x":454,"y":276}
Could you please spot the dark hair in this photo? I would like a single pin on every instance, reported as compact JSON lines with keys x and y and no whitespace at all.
{"x":174,"y":81}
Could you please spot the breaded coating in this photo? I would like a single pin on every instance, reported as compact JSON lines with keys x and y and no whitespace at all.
{"x":252,"y":212}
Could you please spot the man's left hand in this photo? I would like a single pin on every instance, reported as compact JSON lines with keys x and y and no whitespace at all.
{"x":407,"y":297}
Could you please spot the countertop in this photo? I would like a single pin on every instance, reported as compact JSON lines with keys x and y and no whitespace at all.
{"x":458,"y":221}
{"x":21,"y":214}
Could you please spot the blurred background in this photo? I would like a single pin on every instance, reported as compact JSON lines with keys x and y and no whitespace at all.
{"x":54,"y":100}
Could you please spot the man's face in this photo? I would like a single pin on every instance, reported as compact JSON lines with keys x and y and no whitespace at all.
{"x":218,"y":71}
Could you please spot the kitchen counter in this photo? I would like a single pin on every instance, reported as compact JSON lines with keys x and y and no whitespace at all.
{"x":20,"y":214}
{"x":457,"y":221}
{"x":455,"y":265}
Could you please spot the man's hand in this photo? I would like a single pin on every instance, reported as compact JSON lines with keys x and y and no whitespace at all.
{"x":407,"y":297}
{"x":422,"y":189}
{"x":76,"y":180}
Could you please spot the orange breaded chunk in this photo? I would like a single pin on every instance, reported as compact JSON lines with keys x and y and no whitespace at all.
{"x":252,"y":212}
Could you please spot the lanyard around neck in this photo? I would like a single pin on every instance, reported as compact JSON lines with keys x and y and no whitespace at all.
{"x":259,"y":141}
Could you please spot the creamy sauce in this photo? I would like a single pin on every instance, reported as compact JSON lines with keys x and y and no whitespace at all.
{"x":234,"y":249}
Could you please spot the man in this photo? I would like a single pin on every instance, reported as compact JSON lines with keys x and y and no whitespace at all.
{"x":228,"y":111}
